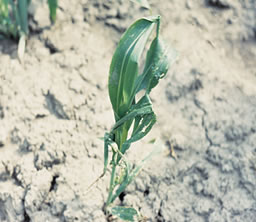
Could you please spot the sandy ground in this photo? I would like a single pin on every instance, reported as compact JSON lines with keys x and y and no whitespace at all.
{"x":54,"y":108}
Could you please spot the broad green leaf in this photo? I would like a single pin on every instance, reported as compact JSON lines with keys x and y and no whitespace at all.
{"x":158,"y":59}
{"x":143,"y":129}
{"x":144,"y":120}
{"x":143,"y":3}
{"x":23,"y":15}
{"x":7,"y":25}
{"x":15,"y":13}
{"x":124,"y":65}
{"x":53,"y":5}
{"x":4,"y":12}
{"x":125,"y":213}
{"x":143,"y":107}
{"x":142,"y":111}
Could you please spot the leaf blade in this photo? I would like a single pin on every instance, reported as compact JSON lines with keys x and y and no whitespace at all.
{"x":158,"y":60}
{"x":125,"y":213}
{"x":23,"y":16}
{"x":124,"y":65}
{"x":53,"y":5}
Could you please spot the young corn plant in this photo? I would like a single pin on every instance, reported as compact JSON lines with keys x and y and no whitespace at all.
{"x":134,"y":116}
{"x":14,"y":20}
{"x":53,"y":5}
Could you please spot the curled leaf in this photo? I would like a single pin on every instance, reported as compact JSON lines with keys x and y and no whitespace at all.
{"x":124,"y":66}
{"x":125,"y":213}
{"x":158,"y":60}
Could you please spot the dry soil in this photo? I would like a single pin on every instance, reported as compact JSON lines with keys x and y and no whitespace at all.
{"x":54,"y":108}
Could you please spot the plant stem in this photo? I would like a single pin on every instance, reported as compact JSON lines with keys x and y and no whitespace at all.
{"x":121,"y":138}
{"x":23,"y":16}
{"x":112,"y":182}
{"x":158,"y":26}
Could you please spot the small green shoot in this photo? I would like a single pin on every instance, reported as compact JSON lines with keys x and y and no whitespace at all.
{"x":14,"y":20}
{"x":124,"y":213}
{"x":134,"y":116}
{"x":53,"y":5}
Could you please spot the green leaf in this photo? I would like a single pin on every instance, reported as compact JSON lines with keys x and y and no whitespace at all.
{"x":141,"y":111}
{"x":147,"y":123}
{"x":11,"y":29}
{"x":144,"y":120}
{"x":143,"y":107}
{"x":124,"y":65}
{"x":158,"y":60}
{"x":4,"y":12}
{"x":107,"y":142}
{"x":125,"y":213}
{"x":53,"y":5}
{"x":23,"y":16}
{"x":124,"y":71}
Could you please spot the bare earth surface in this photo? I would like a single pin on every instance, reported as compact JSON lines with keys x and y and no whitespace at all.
{"x":54,"y":108}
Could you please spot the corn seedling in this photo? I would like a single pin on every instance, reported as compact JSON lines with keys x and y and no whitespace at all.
{"x":14,"y":20}
{"x":134,"y":116}
{"x":53,"y":5}
{"x":13,"y":17}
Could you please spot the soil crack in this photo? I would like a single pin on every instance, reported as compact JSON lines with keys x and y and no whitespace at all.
{"x":55,"y":107}
{"x":54,"y":183}
{"x":206,"y":130}
{"x":25,"y":214}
